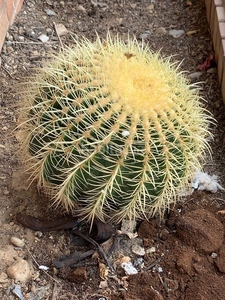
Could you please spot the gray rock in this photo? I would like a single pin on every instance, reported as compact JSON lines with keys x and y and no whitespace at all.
{"x":176,"y":33}
{"x":194,"y":75}
{"x":145,"y":35}
{"x":50,"y":12}
{"x":17,"y":291}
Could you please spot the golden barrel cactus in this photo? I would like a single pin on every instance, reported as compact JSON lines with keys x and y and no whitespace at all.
{"x":113,"y":130}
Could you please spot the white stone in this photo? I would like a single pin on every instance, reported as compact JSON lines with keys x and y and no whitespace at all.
{"x":159,"y":269}
{"x":20,"y":270}
{"x":129,"y":268}
{"x":214,"y":255}
{"x":44,"y":38}
{"x":44,"y":268}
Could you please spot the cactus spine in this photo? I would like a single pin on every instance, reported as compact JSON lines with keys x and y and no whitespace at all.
{"x":113,"y":130}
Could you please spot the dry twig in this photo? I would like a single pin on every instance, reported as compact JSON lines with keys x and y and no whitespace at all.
{"x":57,"y":33}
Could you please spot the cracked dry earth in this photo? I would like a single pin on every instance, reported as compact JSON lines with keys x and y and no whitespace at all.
{"x":185,"y":254}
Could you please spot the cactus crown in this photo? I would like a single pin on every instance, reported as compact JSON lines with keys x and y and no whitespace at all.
{"x":113,"y":129}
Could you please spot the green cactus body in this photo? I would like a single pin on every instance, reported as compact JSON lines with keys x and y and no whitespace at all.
{"x":113,"y":130}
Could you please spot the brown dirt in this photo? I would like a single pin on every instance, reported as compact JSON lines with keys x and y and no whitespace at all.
{"x":189,"y":243}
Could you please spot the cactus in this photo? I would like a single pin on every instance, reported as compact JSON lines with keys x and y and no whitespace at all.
{"x":113,"y":130}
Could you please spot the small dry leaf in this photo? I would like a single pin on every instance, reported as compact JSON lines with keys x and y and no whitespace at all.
{"x":103,"y":284}
{"x":61,"y":29}
{"x":222,"y":212}
{"x":103,"y":271}
{"x":95,"y":255}
{"x":122,"y":259}
{"x":191,"y":32}
{"x":129,"y":55}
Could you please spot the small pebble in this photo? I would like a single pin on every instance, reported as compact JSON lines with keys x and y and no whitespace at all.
{"x":8,"y":43}
{"x":49,"y":30}
{"x":150,"y":7}
{"x":214,"y":255}
{"x":212,"y":71}
{"x":38,"y":234}
{"x":81,"y":8}
{"x":10,"y":49}
{"x":9,"y":37}
{"x":50,"y":12}
{"x":136,"y":249}
{"x":129,"y":268}
{"x":44,"y":38}
{"x":3,"y":277}
{"x":49,"y":2}
{"x":145,"y":35}
{"x":160,"y":30}
{"x":44,"y":268}
{"x":159,"y":269}
{"x":176,"y":33}
{"x":20,"y":38}
{"x":33,"y":288}
{"x":139,"y":262}
{"x":151,"y":250}
{"x":194,"y":75}
{"x":17,"y":242}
